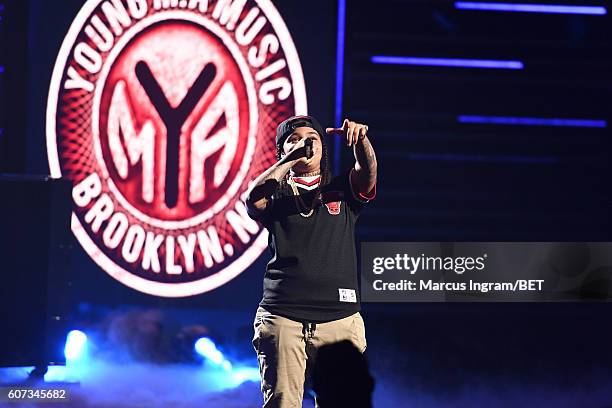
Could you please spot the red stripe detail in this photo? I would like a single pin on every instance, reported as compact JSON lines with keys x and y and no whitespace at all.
{"x":368,"y":196}
{"x":307,"y":183}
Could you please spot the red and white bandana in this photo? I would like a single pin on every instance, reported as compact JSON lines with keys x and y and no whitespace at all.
{"x":307,"y":182}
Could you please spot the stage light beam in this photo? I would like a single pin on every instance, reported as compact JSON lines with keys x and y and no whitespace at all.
{"x":526,"y":121}
{"x":447,"y":62}
{"x":531,"y":8}
{"x":340,"y":37}
{"x":206,"y":348}
{"x":76,"y":344}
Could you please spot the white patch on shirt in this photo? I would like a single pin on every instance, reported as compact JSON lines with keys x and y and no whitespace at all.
{"x":347,"y":295}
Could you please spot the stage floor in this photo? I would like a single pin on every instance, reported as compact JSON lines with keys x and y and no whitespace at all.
{"x":421,"y":355}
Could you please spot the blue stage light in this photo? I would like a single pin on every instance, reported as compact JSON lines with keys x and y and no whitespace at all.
{"x":531,"y":8}
{"x":76,"y":344}
{"x":447,"y":62}
{"x":242,"y":374}
{"x":341,"y":24}
{"x":507,"y":120}
{"x":207,"y":349}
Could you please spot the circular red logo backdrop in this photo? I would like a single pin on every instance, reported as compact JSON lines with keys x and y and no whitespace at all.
{"x":161,"y":112}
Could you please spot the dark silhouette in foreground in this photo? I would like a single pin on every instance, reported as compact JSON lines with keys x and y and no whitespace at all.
{"x":341,"y":377}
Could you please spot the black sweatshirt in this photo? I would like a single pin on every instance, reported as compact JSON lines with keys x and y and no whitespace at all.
{"x":312,"y":275}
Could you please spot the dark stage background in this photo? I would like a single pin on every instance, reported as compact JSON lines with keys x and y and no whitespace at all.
{"x":464,"y":154}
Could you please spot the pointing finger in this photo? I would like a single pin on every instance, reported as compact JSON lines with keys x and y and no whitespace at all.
{"x":332,"y":131}
{"x":345,"y":124}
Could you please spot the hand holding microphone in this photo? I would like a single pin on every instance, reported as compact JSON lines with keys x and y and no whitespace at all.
{"x":301,"y":151}
{"x":308,"y":146}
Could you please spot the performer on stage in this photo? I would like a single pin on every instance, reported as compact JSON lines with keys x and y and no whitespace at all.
{"x":310,"y":294}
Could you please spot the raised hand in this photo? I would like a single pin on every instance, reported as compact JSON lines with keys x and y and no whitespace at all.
{"x":352,"y":131}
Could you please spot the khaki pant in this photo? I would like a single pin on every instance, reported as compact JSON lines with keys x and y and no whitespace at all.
{"x":286,"y":350}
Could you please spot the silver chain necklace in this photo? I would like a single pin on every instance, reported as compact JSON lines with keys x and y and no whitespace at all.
{"x":300,"y":202}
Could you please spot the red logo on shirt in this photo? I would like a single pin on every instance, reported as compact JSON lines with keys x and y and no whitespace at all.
{"x":333,"y":207}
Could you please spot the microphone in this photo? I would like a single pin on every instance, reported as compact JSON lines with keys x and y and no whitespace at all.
{"x":308,"y":146}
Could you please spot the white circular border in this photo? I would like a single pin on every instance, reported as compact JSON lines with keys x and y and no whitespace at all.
{"x":127,"y":278}
{"x":222,"y":202}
